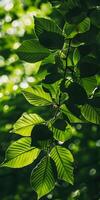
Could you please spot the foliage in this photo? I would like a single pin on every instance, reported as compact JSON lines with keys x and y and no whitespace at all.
{"x":62,"y":94}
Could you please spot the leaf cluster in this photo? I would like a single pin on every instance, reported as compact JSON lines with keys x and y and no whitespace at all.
{"x":66,"y":92}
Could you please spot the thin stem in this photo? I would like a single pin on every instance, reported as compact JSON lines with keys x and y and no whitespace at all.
{"x":68,"y":51}
{"x":69,"y":45}
{"x":56,"y":113}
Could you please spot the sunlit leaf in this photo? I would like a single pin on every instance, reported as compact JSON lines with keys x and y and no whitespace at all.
{"x":63,"y":160}
{"x":84,"y":25}
{"x":37,"y":97}
{"x":25,"y":124}
{"x":90,"y":114}
{"x":62,"y":135}
{"x":76,"y":56}
{"x":42,"y":177}
{"x":89,"y":83}
{"x":20,"y":154}
{"x":32,"y":51}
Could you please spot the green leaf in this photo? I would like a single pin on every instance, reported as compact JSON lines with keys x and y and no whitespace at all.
{"x":95,"y":18}
{"x":63,"y":160}
{"x":90,"y":114}
{"x":71,"y":30}
{"x":63,"y":135}
{"x":49,"y":33}
{"x":46,"y":112}
{"x":77,"y":93}
{"x":32,"y":51}
{"x":42,"y":177}
{"x":84,"y":26}
{"x":20,"y":154}
{"x":51,"y":78}
{"x":37,"y":97}
{"x":88,"y":68}
{"x":25,"y":124}
{"x":41,"y":136}
{"x":72,"y":118}
{"x":60,"y":124}
{"x":76,"y":56}
{"x":89,"y":83}
{"x":95,"y":102}
{"x":72,"y":3}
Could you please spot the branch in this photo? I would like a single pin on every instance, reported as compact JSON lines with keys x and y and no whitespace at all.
{"x":68,"y":51}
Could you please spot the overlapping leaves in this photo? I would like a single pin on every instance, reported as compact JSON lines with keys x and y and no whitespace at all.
{"x":49,"y":33}
{"x":25,"y":124}
{"x":66,"y":89}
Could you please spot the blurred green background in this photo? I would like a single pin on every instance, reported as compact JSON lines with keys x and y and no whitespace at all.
{"x":16,"y":25}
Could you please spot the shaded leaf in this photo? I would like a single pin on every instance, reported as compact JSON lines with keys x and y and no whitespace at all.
{"x":71,"y":117}
{"x":49,"y":33}
{"x":77,"y":93}
{"x":71,"y":30}
{"x":51,"y":78}
{"x":95,"y":102}
{"x":60,"y":124}
{"x":88,"y":69}
{"x":41,"y":136}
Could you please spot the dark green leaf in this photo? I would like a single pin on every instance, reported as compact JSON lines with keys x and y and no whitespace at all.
{"x":71,"y":117}
{"x":76,"y":93}
{"x":71,"y":30}
{"x":51,"y":78}
{"x":49,"y":33}
{"x":95,"y":102}
{"x":60,"y":124}
{"x":88,"y":69}
{"x":40,"y":133}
